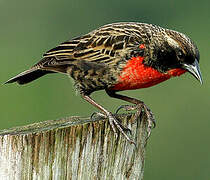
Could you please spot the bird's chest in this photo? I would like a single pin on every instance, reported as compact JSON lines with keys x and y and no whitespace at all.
{"x":136,"y":75}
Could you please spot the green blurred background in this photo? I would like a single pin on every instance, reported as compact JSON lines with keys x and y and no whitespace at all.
{"x":179,"y":147}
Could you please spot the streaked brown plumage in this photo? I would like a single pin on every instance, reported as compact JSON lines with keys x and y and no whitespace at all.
{"x":96,"y":61}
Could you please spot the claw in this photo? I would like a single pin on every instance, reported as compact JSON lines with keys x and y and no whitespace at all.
{"x":119,"y":108}
{"x":139,"y":107}
{"x":150,"y":120}
{"x":119,"y":126}
{"x":154,"y":123}
{"x":116,"y":124}
{"x":127,"y":130}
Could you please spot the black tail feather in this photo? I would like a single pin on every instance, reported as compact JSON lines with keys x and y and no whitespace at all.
{"x":28,"y":76}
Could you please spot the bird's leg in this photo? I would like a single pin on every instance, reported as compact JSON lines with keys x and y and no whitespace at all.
{"x":112,"y":120}
{"x":139,"y":105}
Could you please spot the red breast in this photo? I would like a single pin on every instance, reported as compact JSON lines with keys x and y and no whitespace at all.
{"x":136,"y":75}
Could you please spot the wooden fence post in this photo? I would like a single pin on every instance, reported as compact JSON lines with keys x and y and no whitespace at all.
{"x":72,"y":148}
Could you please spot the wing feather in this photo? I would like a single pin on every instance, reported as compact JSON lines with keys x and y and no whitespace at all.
{"x":105,"y":45}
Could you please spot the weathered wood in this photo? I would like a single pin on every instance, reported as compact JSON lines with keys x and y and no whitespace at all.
{"x":72,"y":148}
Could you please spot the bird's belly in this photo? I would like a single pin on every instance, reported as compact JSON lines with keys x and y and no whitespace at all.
{"x":136,"y":75}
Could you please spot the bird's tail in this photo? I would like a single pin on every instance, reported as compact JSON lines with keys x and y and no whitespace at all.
{"x":28,"y":76}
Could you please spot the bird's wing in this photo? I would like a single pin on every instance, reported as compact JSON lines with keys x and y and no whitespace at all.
{"x":104,"y":46}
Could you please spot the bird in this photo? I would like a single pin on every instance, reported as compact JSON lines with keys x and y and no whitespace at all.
{"x":117,"y":57}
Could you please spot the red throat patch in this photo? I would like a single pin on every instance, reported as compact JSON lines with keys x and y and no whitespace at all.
{"x":136,"y":75}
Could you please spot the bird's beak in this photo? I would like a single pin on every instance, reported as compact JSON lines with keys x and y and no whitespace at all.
{"x":194,"y":69}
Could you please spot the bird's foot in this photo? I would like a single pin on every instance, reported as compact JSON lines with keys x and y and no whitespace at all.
{"x":139,"y":107}
{"x":116,"y":125}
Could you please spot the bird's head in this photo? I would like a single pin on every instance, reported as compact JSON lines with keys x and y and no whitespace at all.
{"x":173,"y":50}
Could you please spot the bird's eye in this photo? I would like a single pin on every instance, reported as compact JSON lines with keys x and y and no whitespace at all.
{"x":180,"y":55}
